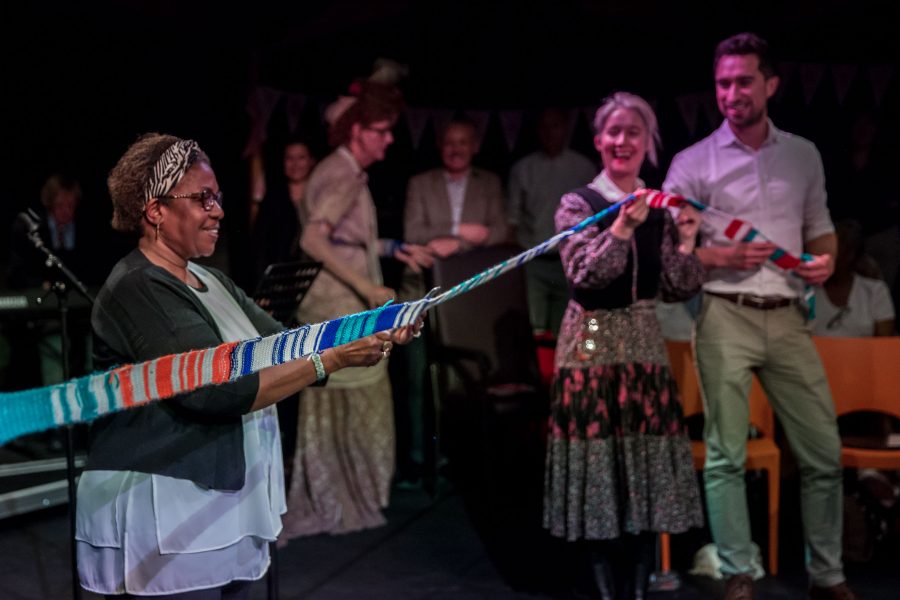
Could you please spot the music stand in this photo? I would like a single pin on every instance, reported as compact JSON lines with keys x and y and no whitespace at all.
{"x":280,"y":292}
{"x":283,"y":286}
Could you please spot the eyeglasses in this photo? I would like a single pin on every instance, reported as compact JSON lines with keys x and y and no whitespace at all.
{"x":382,"y":131}
{"x":206,"y":196}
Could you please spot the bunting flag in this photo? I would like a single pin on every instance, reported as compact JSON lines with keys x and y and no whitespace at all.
{"x":689,"y":107}
{"x":87,"y":398}
{"x":440,"y":118}
{"x":880,"y":78}
{"x":810,"y":76}
{"x":480,"y":118}
{"x":295,"y":104}
{"x":260,"y":105}
{"x":416,"y":120}
{"x":511,"y":124}
{"x":843,"y":76}
{"x":710,"y":107}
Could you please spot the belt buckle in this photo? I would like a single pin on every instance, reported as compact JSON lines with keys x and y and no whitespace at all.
{"x":752,"y":301}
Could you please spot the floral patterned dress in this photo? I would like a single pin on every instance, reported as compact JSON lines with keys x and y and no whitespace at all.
{"x":618,"y":456}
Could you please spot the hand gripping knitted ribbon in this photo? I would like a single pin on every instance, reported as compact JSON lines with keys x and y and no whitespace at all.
{"x":87,"y":398}
{"x":738,"y":231}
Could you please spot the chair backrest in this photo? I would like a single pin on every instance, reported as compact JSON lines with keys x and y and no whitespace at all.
{"x":681,"y":359}
{"x":492,"y":319}
{"x":863,"y":373}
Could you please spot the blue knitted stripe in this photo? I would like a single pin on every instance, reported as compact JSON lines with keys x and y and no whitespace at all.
{"x":246,"y":366}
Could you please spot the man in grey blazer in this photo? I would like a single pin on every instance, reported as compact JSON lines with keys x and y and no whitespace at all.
{"x":450,"y":209}
{"x":456,"y":207}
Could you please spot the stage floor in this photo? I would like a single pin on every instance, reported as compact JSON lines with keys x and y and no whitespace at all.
{"x":432,"y":548}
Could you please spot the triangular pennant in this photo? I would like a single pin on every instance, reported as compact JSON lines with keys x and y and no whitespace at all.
{"x":689,"y":107}
{"x":480,"y":118}
{"x":786,"y":70}
{"x":416,"y":120}
{"x":440,"y":117}
{"x":843,"y":76}
{"x":589,"y":113}
{"x":571,"y":120}
{"x":295,"y":104}
{"x":880,"y":78}
{"x":260,"y":104}
{"x":710,"y":109}
{"x":322,"y":105}
{"x":511,"y":124}
{"x":810,"y":76}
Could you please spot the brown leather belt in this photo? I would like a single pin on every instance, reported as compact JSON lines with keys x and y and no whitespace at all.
{"x":758,"y":302}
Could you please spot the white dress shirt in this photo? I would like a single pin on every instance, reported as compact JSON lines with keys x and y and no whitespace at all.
{"x":456,"y":192}
{"x":780,"y":189}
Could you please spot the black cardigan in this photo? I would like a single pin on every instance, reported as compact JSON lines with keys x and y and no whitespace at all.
{"x":144,"y":312}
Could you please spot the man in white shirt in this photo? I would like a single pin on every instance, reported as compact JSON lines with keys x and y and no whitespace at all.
{"x":536,"y":183}
{"x":751,"y":319}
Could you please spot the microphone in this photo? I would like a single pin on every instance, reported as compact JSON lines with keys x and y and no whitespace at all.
{"x":30,"y":220}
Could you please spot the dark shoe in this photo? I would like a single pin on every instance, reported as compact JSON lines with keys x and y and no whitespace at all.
{"x":840,"y":591}
{"x":603,"y":578}
{"x":739,"y":587}
{"x":641,"y":578}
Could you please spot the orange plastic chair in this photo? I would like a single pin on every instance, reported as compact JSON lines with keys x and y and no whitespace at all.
{"x":762,"y":453}
{"x":864,"y":375}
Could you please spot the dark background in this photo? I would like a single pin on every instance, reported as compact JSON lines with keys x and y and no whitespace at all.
{"x":82,"y":80}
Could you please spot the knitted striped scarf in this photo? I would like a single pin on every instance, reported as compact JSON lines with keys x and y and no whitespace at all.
{"x":87,"y":398}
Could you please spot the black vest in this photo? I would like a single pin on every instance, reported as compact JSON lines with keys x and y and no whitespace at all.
{"x":648,"y":239}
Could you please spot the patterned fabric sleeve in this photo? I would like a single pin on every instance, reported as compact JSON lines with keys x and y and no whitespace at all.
{"x":590,"y":259}
{"x":682,"y":274}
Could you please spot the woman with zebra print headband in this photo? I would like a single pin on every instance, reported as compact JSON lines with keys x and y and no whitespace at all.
{"x":181,"y":498}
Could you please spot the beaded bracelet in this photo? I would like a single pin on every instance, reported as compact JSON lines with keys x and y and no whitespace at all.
{"x":317,"y":363}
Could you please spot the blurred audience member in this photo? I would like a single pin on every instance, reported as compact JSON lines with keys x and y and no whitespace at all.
{"x":536,"y":183}
{"x":859,"y":183}
{"x":68,"y":233}
{"x":450,"y":209}
{"x":65,"y":230}
{"x":456,"y":207}
{"x":884,"y":248}
{"x":345,"y":435}
{"x":850,"y":304}
{"x":274,"y":220}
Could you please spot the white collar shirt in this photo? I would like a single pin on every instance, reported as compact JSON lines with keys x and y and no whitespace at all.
{"x":779,"y":189}
{"x":456,"y":193}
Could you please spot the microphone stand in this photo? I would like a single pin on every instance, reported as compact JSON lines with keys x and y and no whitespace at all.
{"x":62,"y":297}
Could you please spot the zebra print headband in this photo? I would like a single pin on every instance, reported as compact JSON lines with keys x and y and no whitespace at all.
{"x":171,"y":167}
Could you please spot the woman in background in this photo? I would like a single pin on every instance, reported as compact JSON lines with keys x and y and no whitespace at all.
{"x":344,"y":460}
{"x":275,"y":209}
{"x":854,"y":301}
